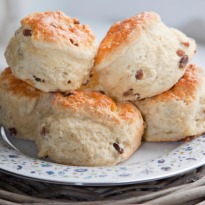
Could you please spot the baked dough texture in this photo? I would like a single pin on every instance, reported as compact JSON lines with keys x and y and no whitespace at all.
{"x":21,"y":106}
{"x":76,"y":128}
{"x":141,"y":57}
{"x":177,"y":113}
{"x":52,"y":52}
{"x":89,"y":129}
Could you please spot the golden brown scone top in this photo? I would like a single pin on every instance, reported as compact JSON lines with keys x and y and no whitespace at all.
{"x":18,"y":87}
{"x":95,"y":104}
{"x":186,"y":87}
{"x":56,"y":26}
{"x":124,"y":32}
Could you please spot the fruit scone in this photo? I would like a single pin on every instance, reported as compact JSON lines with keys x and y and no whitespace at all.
{"x":141,"y":57}
{"x":21,"y":106}
{"x":89,"y":129}
{"x":52,"y":51}
{"x":177,"y":113}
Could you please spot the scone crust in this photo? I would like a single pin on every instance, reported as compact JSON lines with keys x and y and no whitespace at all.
{"x":97,"y":105}
{"x":123,"y":33}
{"x":177,"y":113}
{"x":92,"y":130}
{"x":57,"y":28}
{"x":21,"y":106}
{"x":141,"y":57}
{"x":17,"y":86}
{"x":185,"y":89}
{"x":52,"y":52}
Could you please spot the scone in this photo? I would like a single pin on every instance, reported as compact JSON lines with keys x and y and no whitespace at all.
{"x":89,"y":129}
{"x":141,"y":57}
{"x":177,"y":113}
{"x":21,"y":106}
{"x":52,"y":52}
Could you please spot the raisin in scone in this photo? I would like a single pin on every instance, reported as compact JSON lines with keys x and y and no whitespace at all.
{"x":52,"y":52}
{"x":177,"y":113}
{"x":21,"y":106}
{"x":89,"y":129}
{"x":141,"y":57}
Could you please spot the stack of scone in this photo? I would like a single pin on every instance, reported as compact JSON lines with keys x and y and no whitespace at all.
{"x":80,"y":102}
{"x":49,"y":58}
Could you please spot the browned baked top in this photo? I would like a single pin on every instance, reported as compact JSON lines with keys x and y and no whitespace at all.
{"x":186,"y":87}
{"x":54,"y":26}
{"x":124,"y":32}
{"x":95,"y":104}
{"x":10,"y":83}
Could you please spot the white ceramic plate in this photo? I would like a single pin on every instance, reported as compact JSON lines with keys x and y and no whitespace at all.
{"x":151,"y":162}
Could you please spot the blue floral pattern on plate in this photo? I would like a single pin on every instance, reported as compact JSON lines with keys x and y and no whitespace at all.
{"x":187,"y":156}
